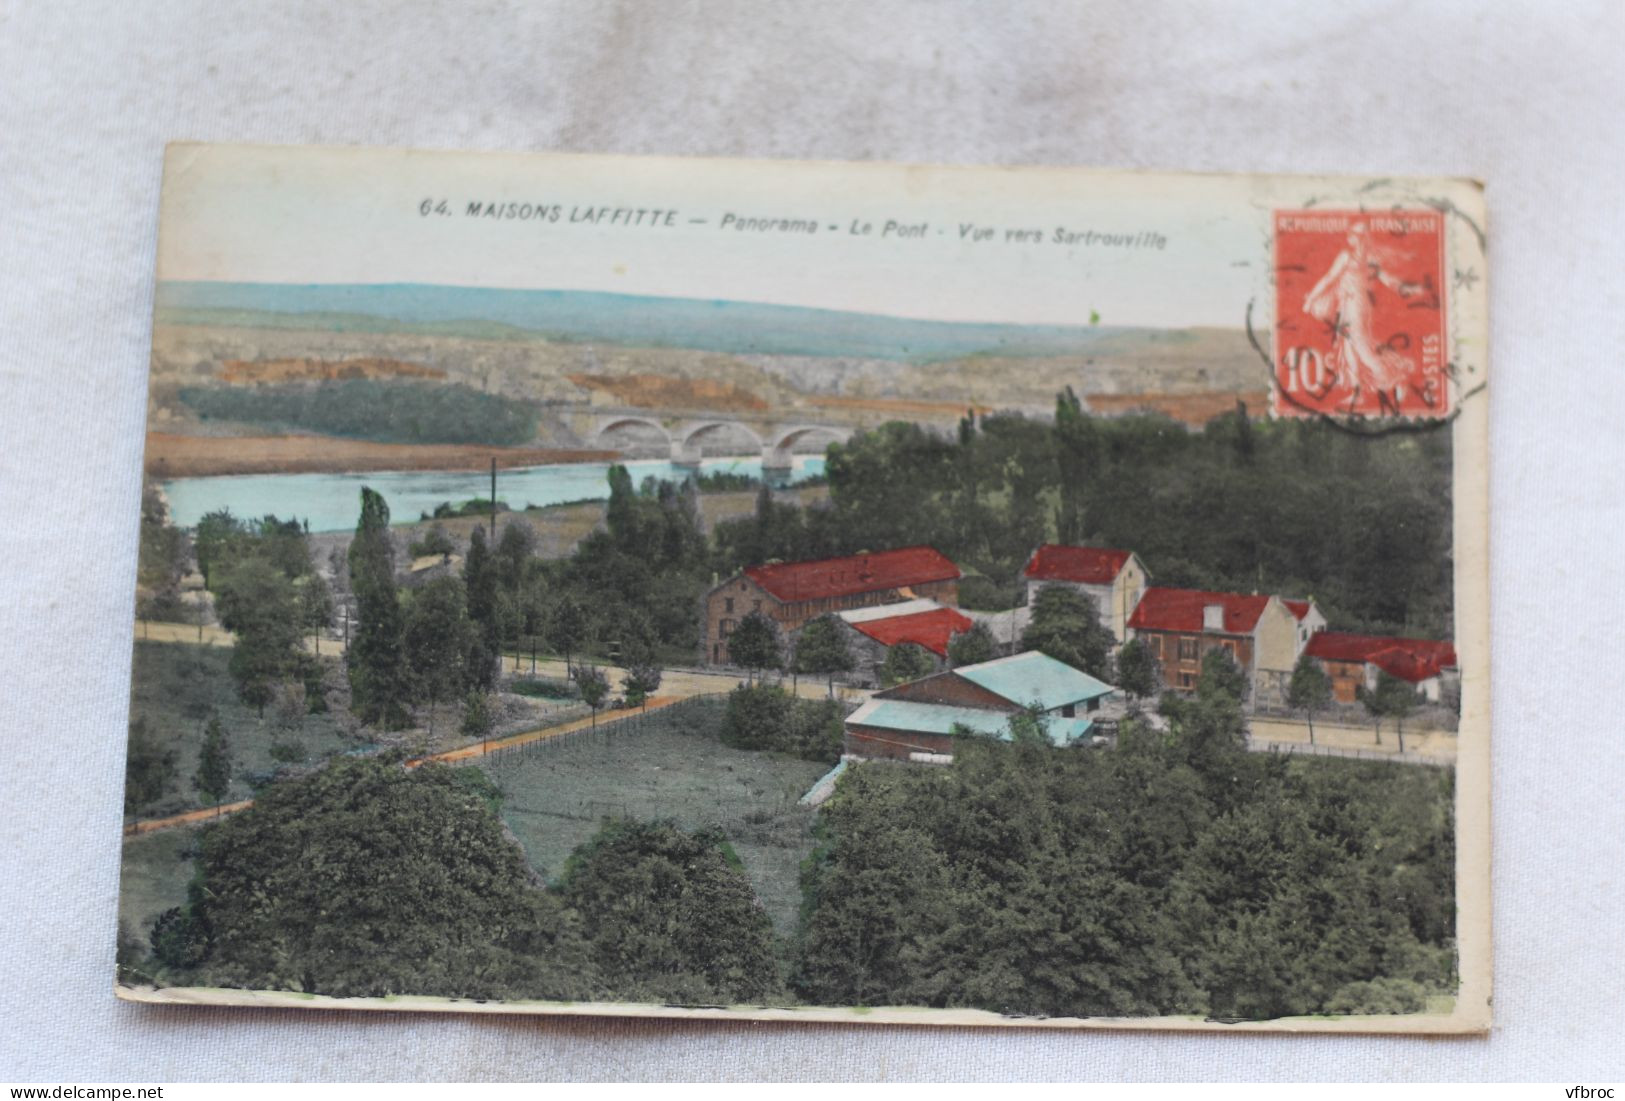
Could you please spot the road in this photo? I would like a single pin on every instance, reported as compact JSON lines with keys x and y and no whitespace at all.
{"x":1336,"y":739}
{"x":676,"y":682}
{"x":215,"y":635}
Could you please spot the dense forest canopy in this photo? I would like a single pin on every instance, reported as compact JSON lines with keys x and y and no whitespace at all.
{"x":371,"y":409}
{"x":1175,"y":874}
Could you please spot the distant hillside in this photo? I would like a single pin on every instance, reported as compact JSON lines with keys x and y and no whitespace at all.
{"x":582,"y":317}
{"x":305,"y":369}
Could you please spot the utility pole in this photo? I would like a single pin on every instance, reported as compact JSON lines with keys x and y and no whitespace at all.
{"x":493,"y":502}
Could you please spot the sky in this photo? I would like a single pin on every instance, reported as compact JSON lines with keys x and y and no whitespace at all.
{"x":1166,"y":250}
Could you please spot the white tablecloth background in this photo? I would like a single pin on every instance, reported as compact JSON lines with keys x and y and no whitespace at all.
{"x":1531,"y":101}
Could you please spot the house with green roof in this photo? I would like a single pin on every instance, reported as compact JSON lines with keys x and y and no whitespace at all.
{"x":919,"y":720}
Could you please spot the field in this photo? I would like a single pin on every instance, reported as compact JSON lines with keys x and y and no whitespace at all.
{"x":175,"y":687}
{"x":669,"y":765}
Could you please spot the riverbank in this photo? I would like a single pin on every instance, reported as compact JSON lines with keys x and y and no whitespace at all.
{"x":175,"y":456}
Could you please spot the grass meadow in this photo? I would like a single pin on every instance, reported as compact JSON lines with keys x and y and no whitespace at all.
{"x":668,"y":764}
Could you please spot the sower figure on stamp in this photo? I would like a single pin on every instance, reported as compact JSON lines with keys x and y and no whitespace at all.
{"x":1346,"y":299}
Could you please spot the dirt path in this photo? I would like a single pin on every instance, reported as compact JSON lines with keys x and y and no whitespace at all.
{"x":190,"y":818}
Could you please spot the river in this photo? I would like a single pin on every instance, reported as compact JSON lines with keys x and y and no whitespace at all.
{"x":332,"y":502}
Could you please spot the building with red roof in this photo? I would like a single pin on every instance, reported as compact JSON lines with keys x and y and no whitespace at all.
{"x":792,"y":593}
{"x":1264,"y":634}
{"x":930,"y":627}
{"x":1352,"y":660}
{"x":1114,"y":579}
{"x":872,"y":632}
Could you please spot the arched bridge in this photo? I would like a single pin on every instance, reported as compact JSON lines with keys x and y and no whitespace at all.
{"x":687,"y":439}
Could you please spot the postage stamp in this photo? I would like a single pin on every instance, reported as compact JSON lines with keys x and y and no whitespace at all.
{"x":1360,"y":314}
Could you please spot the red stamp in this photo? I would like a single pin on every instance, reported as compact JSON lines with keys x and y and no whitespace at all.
{"x":1359,"y":313}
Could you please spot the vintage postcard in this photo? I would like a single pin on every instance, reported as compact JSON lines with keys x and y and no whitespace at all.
{"x":809,"y":591}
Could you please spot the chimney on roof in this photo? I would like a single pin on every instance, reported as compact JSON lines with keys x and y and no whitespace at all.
{"x":1213,"y":617}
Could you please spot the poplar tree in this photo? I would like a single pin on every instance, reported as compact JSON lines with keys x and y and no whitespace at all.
{"x":480,"y":578}
{"x":379,"y":684}
{"x":213,"y":778}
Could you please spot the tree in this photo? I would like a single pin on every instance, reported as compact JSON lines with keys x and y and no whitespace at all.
{"x":149,"y":769}
{"x":513,"y":552}
{"x":213,"y":778}
{"x":1137,"y":672}
{"x":435,"y":542}
{"x":179,"y":938}
{"x":1221,"y":676}
{"x":1030,"y":726}
{"x":567,"y":624}
{"x":1390,"y":698}
{"x":291,"y":898}
{"x":821,"y":650}
{"x":283,"y":543}
{"x":1065,"y":624}
{"x":1309,"y":691}
{"x":216,"y":538}
{"x":258,"y":602}
{"x":477,"y":721}
{"x":518,"y":588}
{"x":905,"y":662}
{"x":289,"y":707}
{"x":671,"y":917}
{"x":621,"y":514}
{"x":162,"y":558}
{"x":754,"y":644}
{"x":484,"y":608}
{"x":440,"y":643}
{"x":593,"y":686}
{"x":315,"y":606}
{"x":642,"y":678}
{"x":973,"y":646}
{"x":379,"y":685}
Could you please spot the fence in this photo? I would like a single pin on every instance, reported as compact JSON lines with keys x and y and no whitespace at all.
{"x":609,"y":726}
{"x":1305,"y":749}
